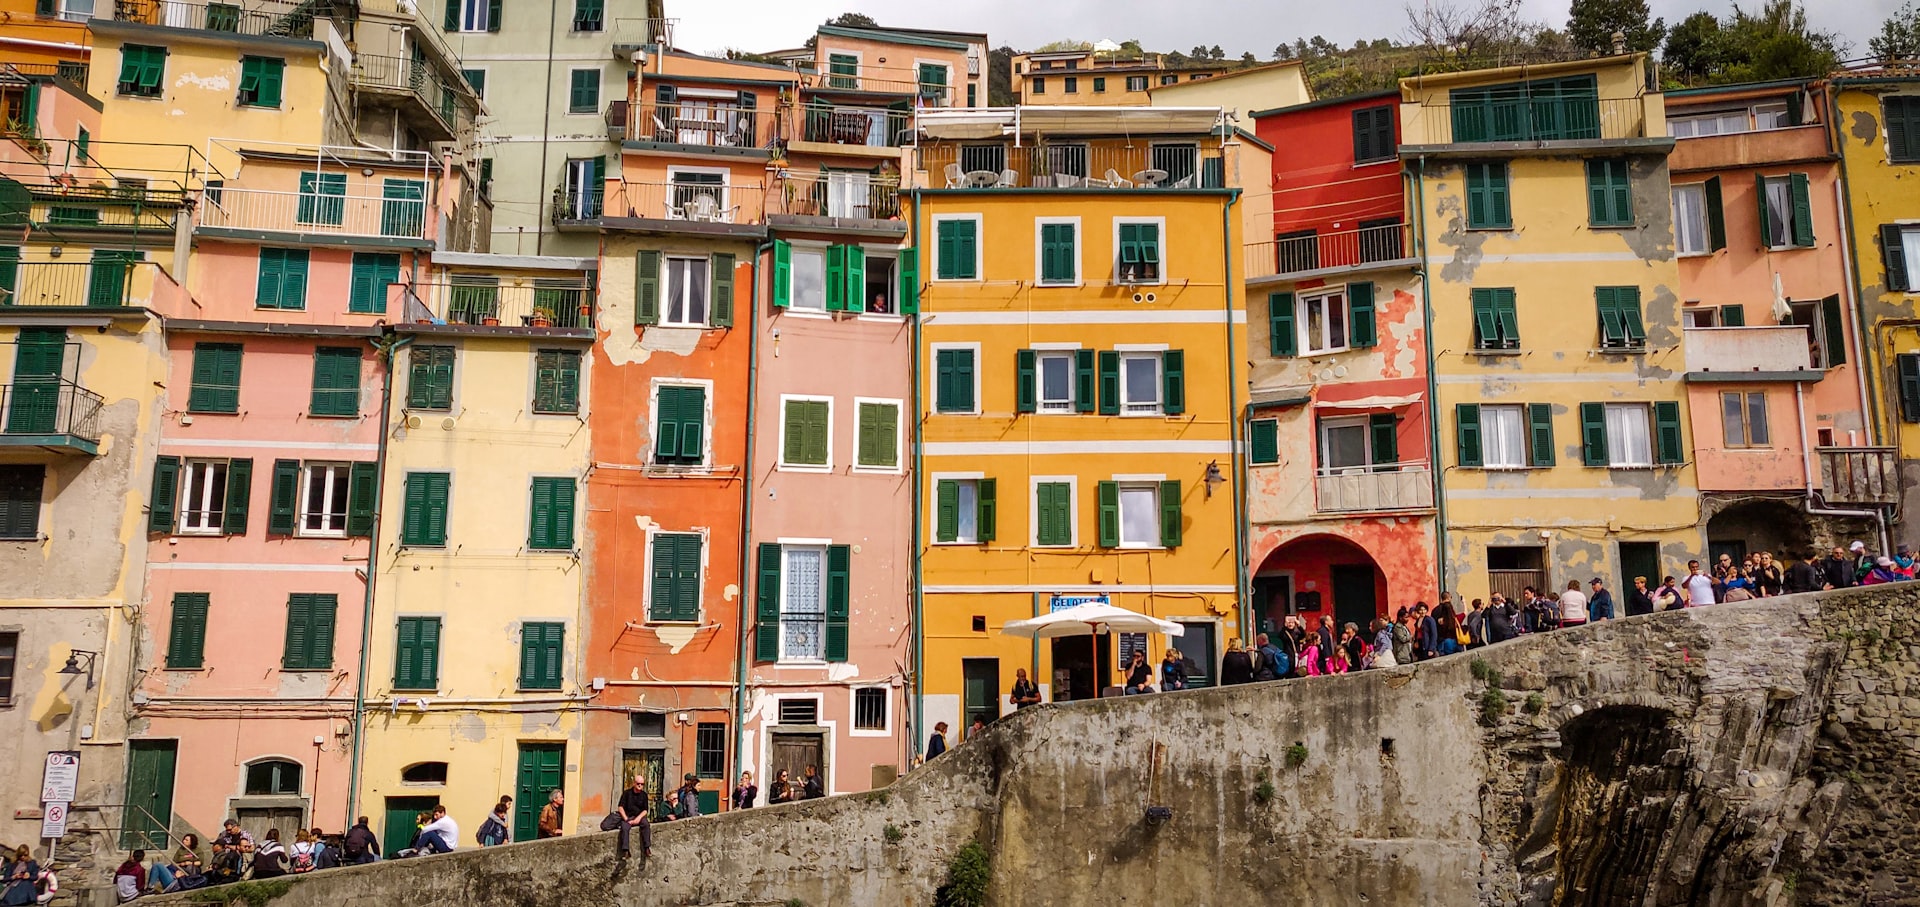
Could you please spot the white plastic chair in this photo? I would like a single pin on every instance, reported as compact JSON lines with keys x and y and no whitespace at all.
{"x":1008,"y":178}
{"x":1116,"y":181}
{"x":956,"y":177}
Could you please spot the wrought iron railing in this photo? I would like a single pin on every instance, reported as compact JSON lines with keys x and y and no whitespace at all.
{"x":319,"y":213}
{"x":104,"y":282}
{"x":873,"y":127}
{"x":1310,"y":251}
{"x":714,"y":124}
{"x":416,"y":76}
{"x":695,"y":202}
{"x":49,"y":407}
{"x":281,"y":20}
{"x":836,"y":194}
{"x":510,"y":302}
{"x":1073,"y":165}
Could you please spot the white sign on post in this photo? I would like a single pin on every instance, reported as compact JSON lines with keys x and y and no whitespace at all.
{"x":53,"y":822}
{"x":61,"y":780}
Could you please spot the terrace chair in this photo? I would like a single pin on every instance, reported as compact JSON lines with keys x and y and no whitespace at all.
{"x":1008,"y":178}
{"x":1066,"y":181}
{"x":956,"y":177}
{"x":1116,"y":181}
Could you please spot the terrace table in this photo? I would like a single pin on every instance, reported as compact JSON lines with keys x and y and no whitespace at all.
{"x":1150,"y":178}
{"x":982,"y":179}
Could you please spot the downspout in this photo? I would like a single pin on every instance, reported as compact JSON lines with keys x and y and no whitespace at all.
{"x":746,"y":517}
{"x":386,"y":351}
{"x":917,"y":657}
{"x":1433,"y":382}
{"x":1806,"y":465}
{"x":1855,"y":337}
{"x":546,"y":126}
{"x":1870,"y":392}
{"x":1242,"y":593}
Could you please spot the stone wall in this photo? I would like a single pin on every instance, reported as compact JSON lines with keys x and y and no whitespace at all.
{"x":1762,"y":753}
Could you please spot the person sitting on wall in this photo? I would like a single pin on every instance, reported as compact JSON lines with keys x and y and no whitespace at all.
{"x":441,"y":835}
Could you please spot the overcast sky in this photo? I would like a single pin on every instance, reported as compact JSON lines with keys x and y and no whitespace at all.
{"x":1235,"y":25}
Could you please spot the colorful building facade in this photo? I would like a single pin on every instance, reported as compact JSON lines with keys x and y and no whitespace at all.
{"x":1095,"y":78}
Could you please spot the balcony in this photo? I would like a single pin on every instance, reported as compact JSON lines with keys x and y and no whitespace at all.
{"x":878,"y":80}
{"x":317,"y":218}
{"x":102,"y":283}
{"x":270,"y":20}
{"x":70,"y":70}
{"x":836,"y":129}
{"x":698,"y":125}
{"x":681,"y":206}
{"x":1401,"y":486}
{"x":1309,"y":255}
{"x":1750,"y":149}
{"x":1756,"y":353}
{"x":1072,"y":165}
{"x":822,"y":199}
{"x":1524,"y":120}
{"x":432,"y":106}
{"x":631,"y":34}
{"x":53,"y":415}
{"x":66,"y":209}
{"x":508,"y":302}
{"x":1860,"y":475}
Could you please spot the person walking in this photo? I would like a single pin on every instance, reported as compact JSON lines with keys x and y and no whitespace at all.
{"x":630,"y":812}
{"x":812,"y":786}
{"x":1697,"y":589}
{"x":1274,"y":663}
{"x":493,"y":832}
{"x":936,"y":744}
{"x":1173,"y":671}
{"x":1235,"y":666}
{"x":1139,"y":676}
{"x":1599,"y":600}
{"x":552,"y":815}
{"x":361,"y":845}
{"x":1804,"y":575}
{"x":745,"y":792}
{"x":1573,"y":605}
{"x":1025,"y":692}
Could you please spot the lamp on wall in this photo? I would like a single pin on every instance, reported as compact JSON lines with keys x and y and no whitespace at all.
{"x":73,"y":664}
{"x":1213,"y":477}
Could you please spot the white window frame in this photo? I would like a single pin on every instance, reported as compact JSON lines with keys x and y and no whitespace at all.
{"x":1039,"y":264}
{"x":1308,"y":344}
{"x":1697,"y":193}
{"x":1138,"y":483}
{"x":1616,"y":446}
{"x":890,"y":254}
{"x":725,"y":187}
{"x":699,"y":586}
{"x":1143,"y":82}
{"x":1783,"y":108}
{"x":1699,"y":316}
{"x":899,"y":435}
{"x":1042,"y":354}
{"x":933,"y":378}
{"x":796,"y":250}
{"x":1331,"y":423}
{"x":1746,"y":421}
{"x":1517,"y":458}
{"x":979,"y":249}
{"x":211,"y":521}
{"x":787,"y":548}
{"x":933,"y":511}
{"x":599,"y":93}
{"x":853,"y":712}
{"x":473,"y":17}
{"x":1166,"y":242}
{"x":706,"y":420}
{"x":576,"y":174}
{"x":1073,"y":510}
{"x":344,"y":473}
{"x":669,"y":285}
{"x":1159,"y":381}
{"x":786,"y":465}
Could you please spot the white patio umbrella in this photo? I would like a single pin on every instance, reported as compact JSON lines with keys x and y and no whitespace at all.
{"x":1090,"y":621}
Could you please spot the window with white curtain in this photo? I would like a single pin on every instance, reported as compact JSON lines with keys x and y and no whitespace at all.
{"x":1140,"y":516}
{"x":1690,"y":219}
{"x":1503,"y":437}
{"x":203,"y":496}
{"x":803,"y":605}
{"x":1629,"y":442}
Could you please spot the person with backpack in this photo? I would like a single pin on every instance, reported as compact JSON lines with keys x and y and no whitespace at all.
{"x":493,"y":832}
{"x":270,"y":859}
{"x":130,"y":880}
{"x":361,"y":844}
{"x":1274,"y":663}
{"x":303,"y":856}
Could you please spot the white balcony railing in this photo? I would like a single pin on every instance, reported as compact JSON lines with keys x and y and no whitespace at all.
{"x":1758,"y":348}
{"x":305,"y":212}
{"x":1400,"y":486}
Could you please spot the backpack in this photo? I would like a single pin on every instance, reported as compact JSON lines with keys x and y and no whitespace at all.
{"x":491,"y":832}
{"x":302,"y":861}
{"x":355,"y":845}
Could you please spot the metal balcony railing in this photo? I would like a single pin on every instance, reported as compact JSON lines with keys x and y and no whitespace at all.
{"x":1860,"y":475}
{"x":105,"y":282}
{"x":416,"y":76}
{"x":577,"y":205}
{"x":49,"y":407}
{"x":700,"y":203}
{"x":510,"y":302}
{"x":694,"y":123}
{"x":1170,"y":165}
{"x":1306,"y":252}
{"x":887,"y":79}
{"x":314,"y":213}
{"x":861,"y":196}
{"x":641,"y":31}
{"x":112,"y":208}
{"x":72,"y":71}
{"x":873,"y":127}
{"x":280,"y":20}
{"x":1396,"y":486}
{"x":1527,"y":120}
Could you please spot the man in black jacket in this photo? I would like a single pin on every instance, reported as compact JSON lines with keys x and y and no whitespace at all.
{"x":1640,"y":600}
{"x":1836,"y":569}
{"x":1500,"y":620}
{"x":1804,"y":575}
{"x":361,"y":844}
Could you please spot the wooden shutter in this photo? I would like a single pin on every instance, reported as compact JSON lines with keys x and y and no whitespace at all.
{"x":1085,"y":394}
{"x":1485,"y":328}
{"x":187,"y":633}
{"x":1282,"y":338}
{"x":1666,"y":432}
{"x":1626,"y":301}
{"x":493,"y":15}
{"x":1382,"y":430}
{"x":1263,"y":446}
{"x":567,"y":387}
{"x":1361,"y":331}
{"x":963,"y":366}
{"x":1802,"y":210}
{"x":909,"y":265}
{"x":540,"y":515}
{"x":1716,"y":216}
{"x":856,"y":278}
{"x":273,"y":263}
{"x":1766,"y":216}
{"x":839,"y":600}
{"x":646,"y":287}
{"x":721,"y":315}
{"x":336,"y":382}
{"x":1025,"y":394}
{"x":362,"y":498}
{"x":946,"y":511}
{"x":1170,"y":513}
{"x":660,"y":577}
{"x":165,"y":495}
{"x":322,"y":615}
{"x":946,"y":249}
{"x":1173,"y":380}
{"x":1363,"y":149}
{"x":225,"y":394}
{"x":1108,"y":507}
{"x":1593,"y":434}
{"x":272,"y":74}
{"x":1893,"y":256}
{"x":686,"y":577}
{"x":452,"y":22}
{"x":836,"y":289}
{"x":766,"y":631}
{"x":1540,"y":434}
{"x":1907,"y":365}
{"x":1733,"y":316}
{"x":987,"y":521}
{"x":1835,"y":330}
{"x":293,"y":654}
{"x":1466,"y":432}
{"x":814,"y":420}
{"x":239,"y":495}
{"x":782,"y":273}
{"x":1109,"y":382}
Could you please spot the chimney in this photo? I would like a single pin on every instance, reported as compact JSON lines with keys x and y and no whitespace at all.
{"x":1619,"y":43}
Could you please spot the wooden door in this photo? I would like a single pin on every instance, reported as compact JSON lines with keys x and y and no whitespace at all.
{"x":794,"y":752}
{"x":651,"y":765}
{"x":402,"y":822}
{"x":540,"y":773}
{"x":981,"y":687}
{"x":1353,"y":595}
{"x":149,"y":812}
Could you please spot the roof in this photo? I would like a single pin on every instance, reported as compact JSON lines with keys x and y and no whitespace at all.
{"x":1330,"y":102}
{"x":898,"y":37}
{"x":1235,"y":73}
{"x":1518,"y":71}
{"x":1887,"y":70}
{"x":994,"y":122}
{"x":1740,"y":88}
{"x":729,"y":60}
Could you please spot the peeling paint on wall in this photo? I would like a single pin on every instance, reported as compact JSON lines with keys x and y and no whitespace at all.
{"x":206,"y":83}
{"x":675,"y":636}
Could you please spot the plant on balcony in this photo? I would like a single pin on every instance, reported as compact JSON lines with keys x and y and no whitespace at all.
{"x":542,"y":317}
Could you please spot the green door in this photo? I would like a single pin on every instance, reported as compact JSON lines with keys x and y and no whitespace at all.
{"x":33,"y":405}
{"x":403,"y":822}
{"x":149,"y":794}
{"x":540,"y":772}
{"x":980,"y":685}
{"x":112,"y":269}
{"x":1636,"y":559}
{"x":403,"y":208}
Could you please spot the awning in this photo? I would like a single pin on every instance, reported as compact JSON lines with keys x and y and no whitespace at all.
{"x":1370,"y":402}
{"x":1282,"y":396}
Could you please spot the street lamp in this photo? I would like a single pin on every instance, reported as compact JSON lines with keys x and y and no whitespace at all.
{"x":73,"y":664}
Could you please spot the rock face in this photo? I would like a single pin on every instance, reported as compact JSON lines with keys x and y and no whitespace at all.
{"x":1761,"y":753}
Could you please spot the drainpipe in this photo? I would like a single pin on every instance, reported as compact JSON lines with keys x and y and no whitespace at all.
{"x":386,"y":350}
{"x":1242,"y":593}
{"x":1433,"y":382}
{"x":916,"y":659}
{"x":746,"y":516}
{"x":1878,"y":515}
{"x":1854,"y":337}
{"x":546,"y":129}
{"x":1870,"y":393}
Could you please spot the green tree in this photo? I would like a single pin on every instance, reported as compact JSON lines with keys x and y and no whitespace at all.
{"x":1000,"y":91}
{"x":1283,"y":52}
{"x":853,"y":20}
{"x":1217,"y":53}
{"x":1248,"y":59}
{"x":1775,"y":43}
{"x":1591,"y":24}
{"x":1692,"y":48}
{"x":1899,"y":37}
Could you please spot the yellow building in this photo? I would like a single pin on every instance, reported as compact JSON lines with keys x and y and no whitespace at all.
{"x":1542,"y":203}
{"x":1078,"y":394}
{"x":1877,"y":129}
{"x":1099,"y":78}
{"x":473,"y":647}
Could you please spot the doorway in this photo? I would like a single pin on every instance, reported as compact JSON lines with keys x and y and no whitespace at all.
{"x":541,"y":767}
{"x":402,"y":823}
{"x":651,"y":765}
{"x":1733,"y":548}
{"x":794,"y":752}
{"x":1273,"y":601}
{"x":1197,"y":649}
{"x":1639,"y":559}
{"x":1353,"y":594}
{"x":980,"y":686}
{"x":149,"y":810}
{"x":1076,"y":675}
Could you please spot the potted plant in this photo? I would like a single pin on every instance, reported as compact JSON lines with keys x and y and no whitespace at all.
{"x":492,"y":321}
{"x":543,"y":317}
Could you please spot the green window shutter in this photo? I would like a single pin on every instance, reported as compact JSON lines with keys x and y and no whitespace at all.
{"x":1263,"y":448}
{"x":909,"y":265}
{"x":9,"y":266}
{"x":660,"y":577}
{"x":1902,"y":115}
{"x":766,"y":630}
{"x":493,"y":14}
{"x":556,"y":381}
{"x":542,"y":648}
{"x":1108,"y":497}
{"x":646,"y":287}
{"x":271,"y":80}
{"x":1836,"y":330}
{"x":551,"y":514}
{"x":1170,"y":513}
{"x":239,"y":494}
{"x":1382,"y":430}
{"x":1893,"y":256}
{"x":721,"y":315}
{"x":1540,"y":434}
{"x":1716,"y":216}
{"x":681,"y":434}
{"x":430,"y":377}
{"x":406,"y":648}
{"x":1488,"y":204}
{"x":1053,"y":505}
{"x":362,"y":498}
{"x":1666,"y":432}
{"x":283,"y":505}
{"x":1057,"y":254}
{"x":1760,"y":197}
{"x":878,"y":427}
{"x":1908,"y":367}
{"x":568,"y":389}
{"x":946,"y":511}
{"x":836,"y":259}
{"x":946,"y":249}
{"x":1626,"y":301}
{"x":418,"y":662}
{"x":856,"y":277}
{"x":1173,"y":382}
{"x":452,"y":22}
{"x":1109,"y":383}
{"x":165,"y":495}
{"x":1025,"y":394}
{"x":782,"y":273}
{"x":322,"y":615}
{"x":1609,"y":193}
{"x":1466,"y":431}
{"x":424,"y":521}
{"x":584,"y":94}
{"x":266,"y":293}
{"x":293,"y":655}
{"x":373,"y":272}
{"x":814,"y":416}
{"x":1733,"y":316}
{"x":987,"y":520}
{"x":839,"y":600}
{"x":1085,"y":393}
{"x":686,"y":578}
{"x":1802,"y":210}
{"x":1361,"y":331}
{"x":1282,"y":339}
{"x":956,"y":250}
{"x":336,"y":382}
{"x":1486,"y":328}
{"x":589,"y":15}
{"x":187,"y":633}
{"x":1593,"y":434}
{"x":216,"y":378}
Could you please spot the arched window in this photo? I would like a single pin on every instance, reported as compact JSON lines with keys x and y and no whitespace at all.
{"x":273,"y":778}
{"x":424,"y":773}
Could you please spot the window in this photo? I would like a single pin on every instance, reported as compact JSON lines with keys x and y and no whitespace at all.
{"x":1609,"y":193}
{"x":1373,"y":134}
{"x":646,"y":724}
{"x":1496,"y":324}
{"x":323,"y":499}
{"x":1181,"y":162}
{"x":1629,"y":441}
{"x":1744,"y":418}
{"x":1136,"y":83}
{"x":1344,"y":446}
{"x":982,"y":157}
{"x":203,"y":497}
{"x":803,"y":601}
{"x":956,"y":250}
{"x":1099,"y":85}
{"x":273,"y":779}
{"x":877,"y":435}
{"x":675,"y":573}
{"x":589,"y":15}
{"x":141,"y":69}
{"x":809,"y":280}
{"x":20,"y":491}
{"x":373,"y":273}
{"x":1901,"y":113}
{"x":1263,"y":446}
{"x":843,"y":71}
{"x":686,"y":292}
{"x":215,"y":384}
{"x":1072,"y":85}
{"x":584,"y":187}
{"x":954,"y":381}
{"x":710,"y":750}
{"x":282,"y":282}
{"x":336,"y":382}
{"x":870,"y":706}
{"x":1138,"y":258}
{"x":1488,"y":205}
{"x":556,"y":381}
{"x":1053,"y":513}
{"x":1056,"y":380}
{"x":799,"y":711}
{"x":1825,"y":325}
{"x":416,"y":661}
{"x":1619,"y":312}
{"x":423,"y":521}
{"x":472,"y":15}
{"x":1690,"y":219}
{"x":260,"y":79}
{"x":322,"y":199}
{"x":680,"y":436}
{"x":803,"y":604}
{"x":1039,"y":84}
{"x":882,"y":282}
{"x":430,"y":378}
{"x":1900,"y":255}
{"x":430,"y":773}
{"x":584,"y":93}
{"x":1699,"y":317}
{"x":1139,"y":515}
{"x":1324,"y":327}
{"x":476,"y":80}
{"x":1059,"y":258}
{"x":965,"y":511}
{"x":1786,"y":212}
{"x":807,"y":432}
{"x":1169,"y":79}
{"x":1631,"y":434}
{"x":1140,"y":383}
{"x":1504,"y":437}
{"x":310,"y":619}
{"x":187,"y":631}
{"x":9,"y":659}
{"x":542,"y":653}
{"x":550,"y":527}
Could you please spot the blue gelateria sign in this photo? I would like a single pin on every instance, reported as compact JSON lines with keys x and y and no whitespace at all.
{"x":1063,"y":602}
